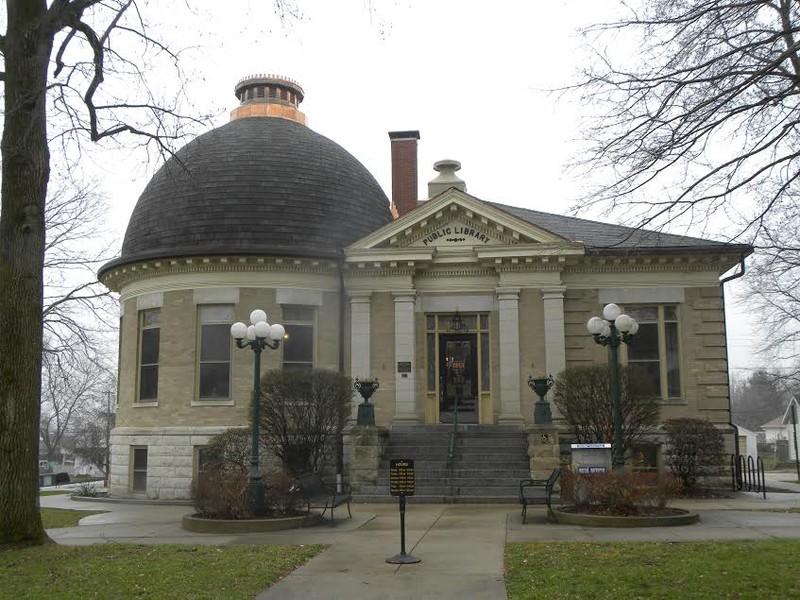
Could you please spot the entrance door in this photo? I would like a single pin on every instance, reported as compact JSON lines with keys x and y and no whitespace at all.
{"x":458,"y":377}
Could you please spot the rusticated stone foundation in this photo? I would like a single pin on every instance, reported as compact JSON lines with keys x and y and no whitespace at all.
{"x":543,"y":450}
{"x":364,"y":449}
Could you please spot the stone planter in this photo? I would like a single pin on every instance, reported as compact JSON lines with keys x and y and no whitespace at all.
{"x":203,"y":525}
{"x":563,"y":516}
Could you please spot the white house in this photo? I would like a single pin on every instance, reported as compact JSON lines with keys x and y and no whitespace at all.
{"x":783,"y":428}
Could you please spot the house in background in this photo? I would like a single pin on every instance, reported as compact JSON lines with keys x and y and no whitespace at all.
{"x":781,"y":431}
{"x":747,"y":442}
{"x":452,"y":302}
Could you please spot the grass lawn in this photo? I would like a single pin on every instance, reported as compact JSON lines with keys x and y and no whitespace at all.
{"x":743,"y":569}
{"x":62,"y":517}
{"x":120,"y":571}
{"x":54,"y":492}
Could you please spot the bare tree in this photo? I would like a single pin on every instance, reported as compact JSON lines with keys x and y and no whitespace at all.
{"x":583,"y":397}
{"x":58,"y":59}
{"x":72,"y":387}
{"x":697,"y":107}
{"x":90,"y":438}
{"x":757,"y":399}
{"x":302,"y":414}
{"x":774,"y":293}
{"x":78,"y":309}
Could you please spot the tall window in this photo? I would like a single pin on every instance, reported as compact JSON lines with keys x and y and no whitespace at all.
{"x":139,"y":469}
{"x":149,"y":341}
{"x":655,"y":350}
{"x":215,"y":352}
{"x":298,"y":347}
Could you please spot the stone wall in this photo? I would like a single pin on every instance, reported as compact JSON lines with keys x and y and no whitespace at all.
{"x":170,"y":460}
{"x":364,"y":448}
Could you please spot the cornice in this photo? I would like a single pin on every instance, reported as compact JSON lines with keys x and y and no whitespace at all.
{"x":650,"y":264}
{"x":118,"y":277}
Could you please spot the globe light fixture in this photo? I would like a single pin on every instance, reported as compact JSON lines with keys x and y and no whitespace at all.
{"x":257,"y":336}
{"x":613,"y":329}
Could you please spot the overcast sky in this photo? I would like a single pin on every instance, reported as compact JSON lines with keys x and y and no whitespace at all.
{"x":472,"y":77}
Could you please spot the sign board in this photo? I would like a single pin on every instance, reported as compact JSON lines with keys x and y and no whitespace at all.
{"x":592,"y":470}
{"x":404,"y":367}
{"x":589,"y":446}
{"x":401,"y":477}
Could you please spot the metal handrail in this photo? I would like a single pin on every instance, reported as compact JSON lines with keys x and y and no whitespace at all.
{"x":451,"y":450}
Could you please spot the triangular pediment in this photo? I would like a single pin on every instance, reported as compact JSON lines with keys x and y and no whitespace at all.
{"x":456,"y":220}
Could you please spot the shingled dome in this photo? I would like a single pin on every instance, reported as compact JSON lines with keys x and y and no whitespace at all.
{"x":256,"y":186}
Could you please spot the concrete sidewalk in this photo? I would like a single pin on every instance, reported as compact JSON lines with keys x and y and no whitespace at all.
{"x":461,"y":546}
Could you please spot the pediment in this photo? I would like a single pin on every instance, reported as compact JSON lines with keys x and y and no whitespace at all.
{"x":456,"y":220}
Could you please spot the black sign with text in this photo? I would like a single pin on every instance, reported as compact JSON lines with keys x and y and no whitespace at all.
{"x":401,"y":477}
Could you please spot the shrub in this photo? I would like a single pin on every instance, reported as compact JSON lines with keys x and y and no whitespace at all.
{"x":86,"y":489}
{"x":623,"y":493}
{"x":220,"y":493}
{"x":695,"y":449}
{"x":283,"y":494}
{"x":228,"y":451}
{"x":302,"y":412}
{"x":583,"y":396}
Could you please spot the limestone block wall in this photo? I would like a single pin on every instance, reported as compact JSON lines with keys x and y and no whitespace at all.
{"x":382,"y":360}
{"x":705,"y":364}
{"x":703,"y":358}
{"x":532,"y":346}
{"x":580,"y":349}
{"x":170,"y":459}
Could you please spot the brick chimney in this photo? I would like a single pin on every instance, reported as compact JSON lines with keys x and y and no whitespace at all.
{"x":404,"y":171}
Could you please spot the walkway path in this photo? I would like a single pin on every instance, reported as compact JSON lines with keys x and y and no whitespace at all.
{"x":461,"y":546}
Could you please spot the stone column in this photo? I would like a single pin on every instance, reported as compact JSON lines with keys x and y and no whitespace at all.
{"x":405,"y":405}
{"x":510,"y":411}
{"x":359,"y":343}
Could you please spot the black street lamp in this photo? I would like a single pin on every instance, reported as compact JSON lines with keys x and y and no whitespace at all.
{"x":259,"y":335}
{"x":613,"y":329}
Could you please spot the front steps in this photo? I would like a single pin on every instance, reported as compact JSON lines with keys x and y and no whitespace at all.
{"x":487,"y":465}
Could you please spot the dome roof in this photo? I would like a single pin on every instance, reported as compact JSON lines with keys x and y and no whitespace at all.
{"x":256,"y":186}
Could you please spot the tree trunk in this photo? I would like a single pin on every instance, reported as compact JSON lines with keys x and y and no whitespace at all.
{"x":25,"y":171}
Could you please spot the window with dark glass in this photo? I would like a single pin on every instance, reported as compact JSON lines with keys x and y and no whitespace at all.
{"x":149,"y":341}
{"x":655,"y":350}
{"x":139,"y":470}
{"x":298,"y":346}
{"x":215,"y":352}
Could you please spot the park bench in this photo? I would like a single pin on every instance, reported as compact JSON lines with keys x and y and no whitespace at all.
{"x":537,"y":491}
{"x":316,"y":494}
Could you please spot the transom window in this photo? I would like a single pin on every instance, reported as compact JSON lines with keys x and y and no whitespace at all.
{"x":298,"y":346}
{"x":215,"y":352}
{"x":655,"y":351}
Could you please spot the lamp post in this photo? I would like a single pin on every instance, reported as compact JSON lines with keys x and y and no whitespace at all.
{"x":260,"y":335}
{"x":612,"y":330}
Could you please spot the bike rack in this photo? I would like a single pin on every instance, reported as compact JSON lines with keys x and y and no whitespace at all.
{"x":748,"y":474}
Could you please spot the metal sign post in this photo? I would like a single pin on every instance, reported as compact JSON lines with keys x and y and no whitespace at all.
{"x":401,"y":483}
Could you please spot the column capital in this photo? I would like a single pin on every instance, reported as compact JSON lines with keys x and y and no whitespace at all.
{"x":507,"y":293}
{"x":358,"y":296}
{"x":405,"y":295}
{"x":555,"y":292}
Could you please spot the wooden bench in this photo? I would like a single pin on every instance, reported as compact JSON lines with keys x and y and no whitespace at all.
{"x":318,"y":495}
{"x":537,"y":491}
